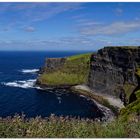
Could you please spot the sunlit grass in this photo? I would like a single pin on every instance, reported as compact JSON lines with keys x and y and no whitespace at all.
{"x":74,"y":71}
{"x":65,"y":127}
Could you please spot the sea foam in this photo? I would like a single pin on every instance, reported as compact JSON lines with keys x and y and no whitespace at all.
{"x":22,"y":84}
{"x":29,"y":70}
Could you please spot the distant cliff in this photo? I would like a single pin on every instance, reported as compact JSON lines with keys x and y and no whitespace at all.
{"x":52,"y":64}
{"x":64,"y":72}
{"x":113,"y":71}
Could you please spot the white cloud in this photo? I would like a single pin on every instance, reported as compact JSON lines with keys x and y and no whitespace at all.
{"x":38,"y":11}
{"x":115,"y":28}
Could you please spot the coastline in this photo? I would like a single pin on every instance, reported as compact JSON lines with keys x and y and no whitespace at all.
{"x":116,"y":102}
{"x":71,"y":73}
{"x":110,"y":82}
{"x":109,"y":112}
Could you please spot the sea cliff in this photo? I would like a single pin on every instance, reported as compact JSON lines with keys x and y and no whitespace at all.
{"x":64,"y":72}
{"x":111,"y":72}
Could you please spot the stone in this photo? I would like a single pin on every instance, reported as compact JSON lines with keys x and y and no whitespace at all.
{"x":112,"y":67}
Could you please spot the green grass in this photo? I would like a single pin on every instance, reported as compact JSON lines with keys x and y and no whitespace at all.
{"x":128,"y":88}
{"x":131,"y":109}
{"x":74,"y":71}
{"x":60,"y":127}
{"x":75,"y":57}
{"x":138,"y":72}
{"x":60,"y":78}
{"x":134,"y":107}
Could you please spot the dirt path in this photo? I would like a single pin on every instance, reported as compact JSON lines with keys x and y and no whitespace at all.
{"x":112,"y":100}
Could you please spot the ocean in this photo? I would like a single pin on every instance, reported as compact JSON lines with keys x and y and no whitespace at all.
{"x":19,"y":96}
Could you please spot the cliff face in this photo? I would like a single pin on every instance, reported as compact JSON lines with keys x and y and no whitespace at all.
{"x":52,"y":64}
{"x":112,"y":70}
{"x":64,"y":72}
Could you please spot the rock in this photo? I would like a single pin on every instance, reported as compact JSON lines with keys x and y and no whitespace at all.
{"x":112,"y":67}
{"x":54,"y":63}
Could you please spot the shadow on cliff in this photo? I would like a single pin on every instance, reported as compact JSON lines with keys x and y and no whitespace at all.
{"x":133,"y":95}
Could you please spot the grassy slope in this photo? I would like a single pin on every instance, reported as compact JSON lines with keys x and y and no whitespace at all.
{"x":133,"y":108}
{"x":128,"y":88}
{"x":74,"y":71}
{"x":55,"y":127}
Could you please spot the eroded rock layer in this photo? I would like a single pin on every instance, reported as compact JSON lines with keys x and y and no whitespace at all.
{"x":52,"y":64}
{"x":113,"y":70}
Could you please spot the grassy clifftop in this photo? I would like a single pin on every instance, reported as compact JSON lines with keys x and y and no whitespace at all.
{"x":74,"y":71}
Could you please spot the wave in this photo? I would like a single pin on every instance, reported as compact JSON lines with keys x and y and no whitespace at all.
{"x":59,"y":100}
{"x":22,"y":84}
{"x":29,"y":70}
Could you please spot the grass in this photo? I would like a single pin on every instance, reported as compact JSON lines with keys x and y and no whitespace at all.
{"x":134,"y":107}
{"x":138,"y":72}
{"x":74,"y":71}
{"x":75,"y":57}
{"x":60,"y":127}
{"x":128,"y":88}
{"x":60,"y":78}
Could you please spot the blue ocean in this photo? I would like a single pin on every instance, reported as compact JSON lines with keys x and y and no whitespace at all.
{"x":19,"y":96}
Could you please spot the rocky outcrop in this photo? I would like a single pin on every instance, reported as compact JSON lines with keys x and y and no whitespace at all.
{"x":52,"y":64}
{"x":69,"y":71}
{"x":112,"y":68}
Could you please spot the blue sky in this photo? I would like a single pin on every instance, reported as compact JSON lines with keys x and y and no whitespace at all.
{"x":68,"y":26}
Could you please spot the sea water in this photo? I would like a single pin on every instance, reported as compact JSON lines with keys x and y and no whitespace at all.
{"x":18,"y":73}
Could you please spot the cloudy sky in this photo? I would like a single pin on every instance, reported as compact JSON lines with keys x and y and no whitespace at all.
{"x":68,"y":26}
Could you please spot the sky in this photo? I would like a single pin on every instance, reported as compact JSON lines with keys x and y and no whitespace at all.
{"x":68,"y":26}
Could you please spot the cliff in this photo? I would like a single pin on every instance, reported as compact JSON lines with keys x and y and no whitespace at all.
{"x":64,"y":72}
{"x":52,"y":64}
{"x":113,"y":71}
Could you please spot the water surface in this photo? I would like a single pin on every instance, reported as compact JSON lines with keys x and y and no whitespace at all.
{"x":17,"y":94}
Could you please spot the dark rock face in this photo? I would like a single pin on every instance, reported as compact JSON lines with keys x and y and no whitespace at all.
{"x":52,"y":64}
{"x":112,"y":67}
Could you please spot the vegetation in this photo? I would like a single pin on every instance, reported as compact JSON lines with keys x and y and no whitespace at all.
{"x":138,"y":72}
{"x":131,"y":109}
{"x":128,"y":88}
{"x":60,"y":127}
{"x":74,"y":71}
{"x":134,"y":107}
